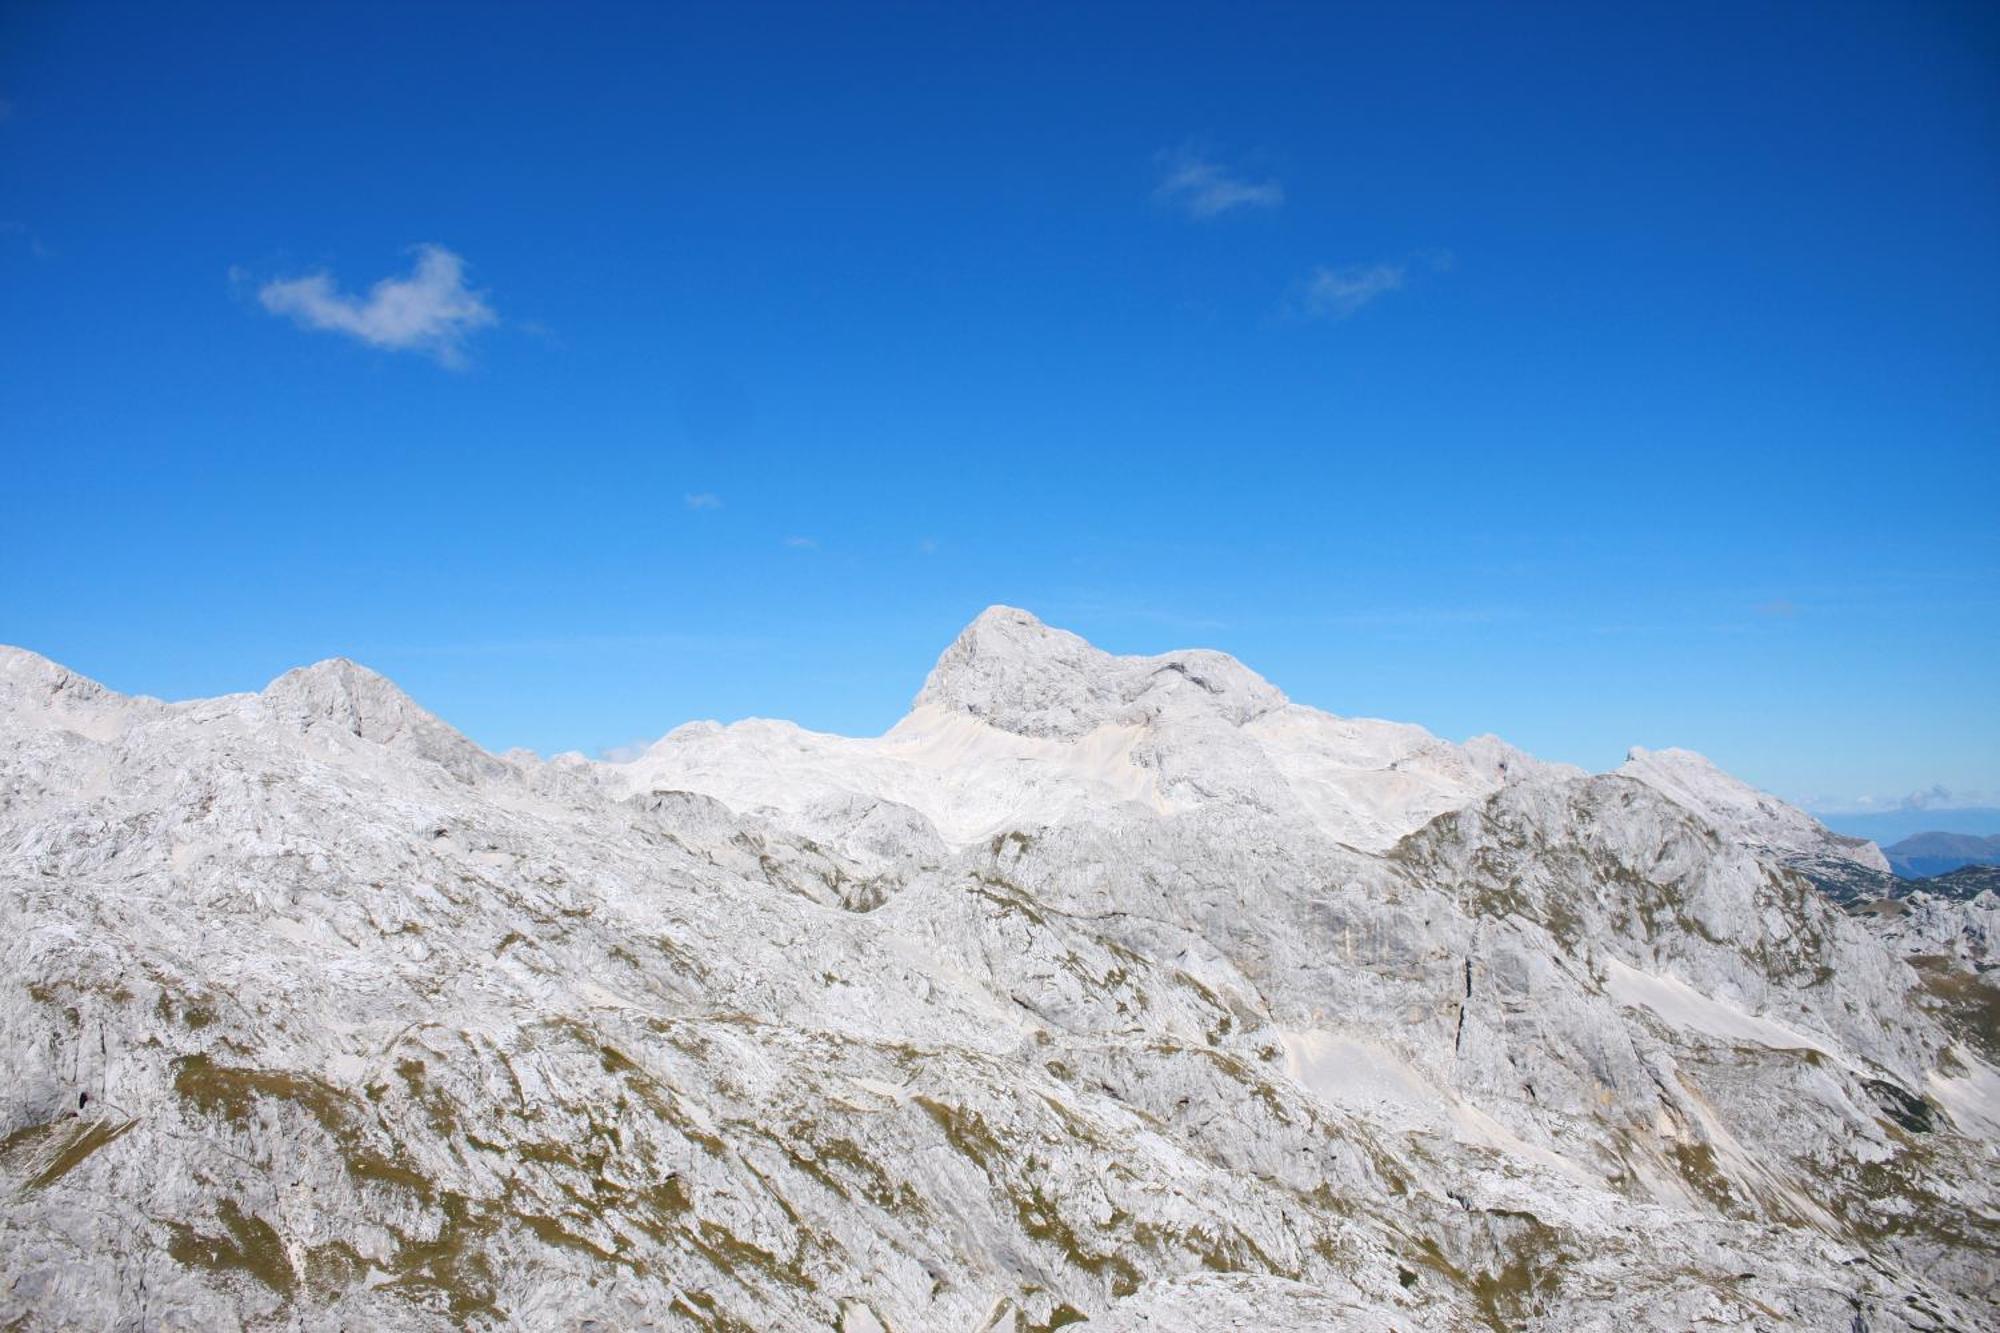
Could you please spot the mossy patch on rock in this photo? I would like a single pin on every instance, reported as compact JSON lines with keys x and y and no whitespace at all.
{"x":249,"y":1245}
{"x":51,"y":1151}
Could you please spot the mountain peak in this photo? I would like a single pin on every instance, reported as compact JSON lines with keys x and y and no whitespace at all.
{"x":36,"y":693}
{"x":1693,"y":780}
{"x":1672,"y":756}
{"x":350,"y":699}
{"x":1008,"y":632}
{"x":1009,"y":669}
{"x":29,"y":674}
{"x":346,"y":694}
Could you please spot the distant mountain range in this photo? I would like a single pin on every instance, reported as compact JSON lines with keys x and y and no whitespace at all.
{"x":1929,"y":854}
{"x":1965,"y":883}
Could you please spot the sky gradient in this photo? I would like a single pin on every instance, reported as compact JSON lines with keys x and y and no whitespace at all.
{"x":1591,"y":377}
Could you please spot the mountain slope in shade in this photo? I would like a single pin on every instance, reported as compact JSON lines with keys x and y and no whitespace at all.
{"x":1103,"y":988}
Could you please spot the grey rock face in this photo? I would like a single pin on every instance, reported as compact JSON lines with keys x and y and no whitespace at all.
{"x":1012,"y":671}
{"x":1105,"y":988}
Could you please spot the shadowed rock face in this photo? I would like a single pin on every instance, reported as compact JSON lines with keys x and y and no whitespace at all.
{"x":1104,"y":988}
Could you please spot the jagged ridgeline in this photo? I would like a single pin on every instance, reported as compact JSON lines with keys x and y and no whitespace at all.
{"x":1104,"y":991}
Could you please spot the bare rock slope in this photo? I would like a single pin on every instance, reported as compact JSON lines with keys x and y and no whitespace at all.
{"x":1104,"y":989}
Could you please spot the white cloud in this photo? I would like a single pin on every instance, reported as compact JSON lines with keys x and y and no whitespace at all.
{"x":704,"y":500}
{"x":430,"y":311}
{"x":802,"y":543}
{"x":1336,"y":293}
{"x":1203,"y":188}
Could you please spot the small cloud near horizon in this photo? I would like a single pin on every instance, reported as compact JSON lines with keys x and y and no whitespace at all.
{"x":1203,"y":188}
{"x":1337,"y":293}
{"x":703,"y":500}
{"x":1937,"y":796}
{"x":431,"y":311}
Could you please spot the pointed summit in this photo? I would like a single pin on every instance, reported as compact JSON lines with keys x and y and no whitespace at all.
{"x":1009,"y":669}
{"x":1007,"y":634}
{"x":348,"y":699}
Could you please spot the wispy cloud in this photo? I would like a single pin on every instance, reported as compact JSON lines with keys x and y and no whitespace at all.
{"x":1778,"y":608}
{"x":704,"y":500}
{"x":1336,"y":293}
{"x":1937,"y":796}
{"x":1203,"y":188}
{"x":802,"y":543}
{"x":432,"y":311}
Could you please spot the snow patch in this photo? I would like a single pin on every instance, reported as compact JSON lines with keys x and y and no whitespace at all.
{"x":1974,"y":1100}
{"x":1683,"y":1006}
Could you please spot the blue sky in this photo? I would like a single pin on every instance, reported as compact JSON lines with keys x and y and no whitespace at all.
{"x":1592,"y":375}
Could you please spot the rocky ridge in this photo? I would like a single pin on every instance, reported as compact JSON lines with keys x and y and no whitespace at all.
{"x":1108,"y":989}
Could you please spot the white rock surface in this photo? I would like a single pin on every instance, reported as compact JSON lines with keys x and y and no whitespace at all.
{"x":1103,"y":988}
{"x":1744,"y":814}
{"x":1022,"y":725}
